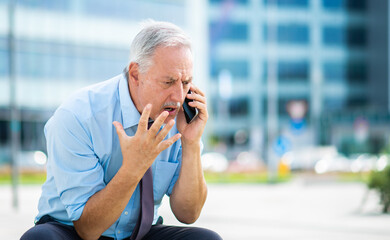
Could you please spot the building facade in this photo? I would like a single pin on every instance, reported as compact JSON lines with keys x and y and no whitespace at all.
{"x":329,"y":55}
{"x":58,"y":47}
{"x":253,"y":58}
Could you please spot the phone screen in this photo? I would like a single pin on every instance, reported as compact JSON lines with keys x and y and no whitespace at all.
{"x":189,"y":112}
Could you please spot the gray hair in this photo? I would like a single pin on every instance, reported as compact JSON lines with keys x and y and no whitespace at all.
{"x":155,"y":34}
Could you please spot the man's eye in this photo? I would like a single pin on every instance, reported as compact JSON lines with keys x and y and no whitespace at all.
{"x":186,"y":83}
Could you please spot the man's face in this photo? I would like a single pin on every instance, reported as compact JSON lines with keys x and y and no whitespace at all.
{"x":166,"y":82}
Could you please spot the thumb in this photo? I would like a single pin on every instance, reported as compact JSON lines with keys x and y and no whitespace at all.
{"x":119,"y":129}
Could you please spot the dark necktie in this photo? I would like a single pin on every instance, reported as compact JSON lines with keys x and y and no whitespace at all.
{"x":146,"y":214}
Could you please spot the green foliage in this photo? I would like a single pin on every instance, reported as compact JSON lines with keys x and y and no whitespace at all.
{"x":24,"y":178}
{"x":380,"y":181}
{"x":373,"y":145}
{"x":241,"y":178}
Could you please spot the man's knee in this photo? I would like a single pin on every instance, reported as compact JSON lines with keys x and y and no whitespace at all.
{"x":38,"y":232}
{"x":207,"y":234}
{"x":182,"y":233}
{"x":48,"y":231}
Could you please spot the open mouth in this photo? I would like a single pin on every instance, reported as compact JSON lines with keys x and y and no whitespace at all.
{"x":171,"y":110}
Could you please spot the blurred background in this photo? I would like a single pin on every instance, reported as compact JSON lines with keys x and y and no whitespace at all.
{"x":295,"y":87}
{"x":292,"y":84}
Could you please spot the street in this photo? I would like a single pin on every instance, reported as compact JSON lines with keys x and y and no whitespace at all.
{"x":299,"y":209}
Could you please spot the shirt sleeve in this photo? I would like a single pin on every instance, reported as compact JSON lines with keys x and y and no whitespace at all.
{"x":77,"y":172}
{"x":177,"y":173}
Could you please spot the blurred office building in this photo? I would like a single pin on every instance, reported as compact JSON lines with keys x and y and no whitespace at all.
{"x":49,"y":49}
{"x":299,"y":73}
{"x":280,"y":75}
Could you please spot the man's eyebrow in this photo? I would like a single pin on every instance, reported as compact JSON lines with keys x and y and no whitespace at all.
{"x":174,"y":79}
{"x":170,"y":78}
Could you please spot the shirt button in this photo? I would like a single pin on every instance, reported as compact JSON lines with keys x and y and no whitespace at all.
{"x":119,"y":232}
{"x":126,"y":213}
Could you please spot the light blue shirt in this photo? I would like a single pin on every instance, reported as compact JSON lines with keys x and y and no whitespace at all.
{"x":84,"y":155}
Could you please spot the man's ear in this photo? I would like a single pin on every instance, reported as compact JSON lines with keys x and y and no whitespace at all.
{"x":133,"y":73}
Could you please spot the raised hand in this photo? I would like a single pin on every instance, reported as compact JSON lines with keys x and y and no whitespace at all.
{"x":140,"y":151}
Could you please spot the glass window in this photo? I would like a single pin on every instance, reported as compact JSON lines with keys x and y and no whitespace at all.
{"x":352,"y":71}
{"x":357,"y":71}
{"x":288,"y":3}
{"x":44,"y":65}
{"x":331,"y":103}
{"x":293,"y":70}
{"x":239,"y":107}
{"x":28,"y":64}
{"x":334,"y":71}
{"x":333,"y":4}
{"x":3,"y":56}
{"x":119,"y":9}
{"x":228,"y":1}
{"x":290,"y":34}
{"x":357,"y":5}
{"x":58,"y":5}
{"x":351,"y":5}
{"x":357,"y":36}
{"x":264,"y":102}
{"x":67,"y":61}
{"x":3,"y":132}
{"x":4,"y":62}
{"x":357,"y":102}
{"x":333,"y":35}
{"x":31,"y":136}
{"x":238,"y":68}
{"x":294,"y":33}
{"x":353,"y":36}
{"x":228,"y":31}
{"x":265,"y":71}
{"x":130,"y":9}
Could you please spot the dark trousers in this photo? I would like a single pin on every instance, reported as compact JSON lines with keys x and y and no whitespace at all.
{"x":50,"y":229}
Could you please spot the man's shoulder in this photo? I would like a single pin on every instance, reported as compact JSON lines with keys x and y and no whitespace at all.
{"x":88,"y":100}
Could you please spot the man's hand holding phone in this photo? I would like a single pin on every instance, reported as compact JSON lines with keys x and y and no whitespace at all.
{"x":192,"y":126}
{"x":189,"y":112}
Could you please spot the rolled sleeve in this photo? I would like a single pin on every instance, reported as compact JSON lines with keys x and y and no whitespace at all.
{"x":77,"y":171}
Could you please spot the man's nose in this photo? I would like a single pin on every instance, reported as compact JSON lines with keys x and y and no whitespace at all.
{"x":178,"y":93}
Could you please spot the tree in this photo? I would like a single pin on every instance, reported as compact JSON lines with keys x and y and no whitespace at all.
{"x":380,"y":181}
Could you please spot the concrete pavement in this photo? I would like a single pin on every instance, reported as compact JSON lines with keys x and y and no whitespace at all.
{"x":294,"y":210}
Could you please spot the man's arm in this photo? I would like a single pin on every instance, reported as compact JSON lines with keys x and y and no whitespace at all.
{"x":190,"y":191}
{"x":106,"y":206}
{"x":139,"y":152}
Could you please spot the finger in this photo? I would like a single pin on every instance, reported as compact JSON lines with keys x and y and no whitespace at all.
{"x":196,"y":90}
{"x":198,"y":105}
{"x":167,"y":143}
{"x":201,"y":107}
{"x":119,"y":129}
{"x":164,"y":132}
{"x":144,"y":119}
{"x":196,"y":97}
{"x":158,"y":123}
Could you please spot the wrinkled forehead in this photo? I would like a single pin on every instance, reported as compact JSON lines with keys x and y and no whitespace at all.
{"x":174,"y":60}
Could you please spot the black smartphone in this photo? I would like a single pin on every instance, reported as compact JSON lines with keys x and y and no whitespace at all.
{"x":189,"y":112}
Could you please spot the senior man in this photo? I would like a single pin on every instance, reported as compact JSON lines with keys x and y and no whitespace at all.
{"x":114,"y":151}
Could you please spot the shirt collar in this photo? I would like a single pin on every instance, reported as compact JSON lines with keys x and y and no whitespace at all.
{"x":130,"y":114}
